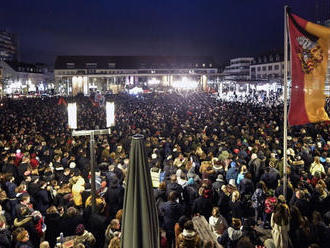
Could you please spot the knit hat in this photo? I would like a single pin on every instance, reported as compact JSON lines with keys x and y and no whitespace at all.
{"x":220,"y":178}
{"x":72,"y":165}
{"x":80,"y":229}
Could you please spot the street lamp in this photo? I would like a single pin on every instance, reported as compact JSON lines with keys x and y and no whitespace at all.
{"x":72,"y":121}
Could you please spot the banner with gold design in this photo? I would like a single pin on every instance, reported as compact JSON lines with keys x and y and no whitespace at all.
{"x":309,"y":60}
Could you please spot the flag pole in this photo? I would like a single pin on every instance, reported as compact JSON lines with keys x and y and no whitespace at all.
{"x":285,"y":93}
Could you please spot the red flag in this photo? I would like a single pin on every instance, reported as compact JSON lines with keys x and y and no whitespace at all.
{"x":309,"y":59}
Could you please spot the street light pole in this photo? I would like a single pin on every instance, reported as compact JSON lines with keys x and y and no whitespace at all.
{"x":72,"y":119}
{"x":91,"y":134}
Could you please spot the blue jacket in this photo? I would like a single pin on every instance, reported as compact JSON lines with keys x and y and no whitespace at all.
{"x":232,"y":173}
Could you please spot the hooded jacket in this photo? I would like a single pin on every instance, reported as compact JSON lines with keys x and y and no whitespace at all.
{"x":86,"y":238}
{"x":188,"y":239}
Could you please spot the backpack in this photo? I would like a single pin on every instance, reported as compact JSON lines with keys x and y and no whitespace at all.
{"x":257,"y":199}
{"x":270,"y":204}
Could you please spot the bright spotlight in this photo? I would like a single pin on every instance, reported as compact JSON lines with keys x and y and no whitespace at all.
{"x":153,"y":81}
{"x":185,"y":84}
{"x":72,"y":115}
{"x":110,"y":113}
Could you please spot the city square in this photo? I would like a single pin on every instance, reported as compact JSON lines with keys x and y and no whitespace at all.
{"x":108,"y":142}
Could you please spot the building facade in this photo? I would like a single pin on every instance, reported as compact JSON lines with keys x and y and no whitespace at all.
{"x":268,"y":67}
{"x":239,"y":69}
{"x":80,"y":74}
{"x":17,"y":77}
{"x":8,"y":46}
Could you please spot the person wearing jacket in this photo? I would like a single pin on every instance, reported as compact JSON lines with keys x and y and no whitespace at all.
{"x":172,"y":212}
{"x":114,"y":197}
{"x":280,"y":226}
{"x":232,"y":172}
{"x":52,"y":221}
{"x":203,"y":204}
{"x":246,"y":186}
{"x":77,"y":189}
{"x":84,"y":237}
{"x":5,"y":234}
{"x":231,"y":236}
{"x":189,"y":238}
{"x":23,"y":240}
{"x":28,"y":222}
{"x":258,"y":199}
{"x":316,"y":166}
{"x":42,"y":198}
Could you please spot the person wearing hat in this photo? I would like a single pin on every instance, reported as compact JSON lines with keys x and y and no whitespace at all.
{"x":84,"y":237}
{"x":218,"y":183}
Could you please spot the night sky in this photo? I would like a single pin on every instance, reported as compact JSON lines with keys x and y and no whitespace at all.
{"x":221,"y":28}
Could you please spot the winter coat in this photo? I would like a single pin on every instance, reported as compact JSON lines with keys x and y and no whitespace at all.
{"x":174,"y":187}
{"x":315,"y":167}
{"x":77,"y":189}
{"x":237,"y":209}
{"x":190,"y":193}
{"x":69,"y":224}
{"x":96,"y":224}
{"x":223,"y":203}
{"x":240,"y":177}
{"x":5,"y":238}
{"x":256,"y":167}
{"x":230,"y":238}
{"x":280,"y":234}
{"x":172,"y":212}
{"x":189,"y":239}
{"x":232,"y":173}
{"x":42,"y":199}
{"x":52,"y":222}
{"x":246,"y":187}
{"x":24,"y":245}
{"x":202,"y":206}
{"x":114,"y":198}
{"x":271,"y":179}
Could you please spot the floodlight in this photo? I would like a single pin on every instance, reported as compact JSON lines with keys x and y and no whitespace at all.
{"x":72,"y":115}
{"x":110,"y":113}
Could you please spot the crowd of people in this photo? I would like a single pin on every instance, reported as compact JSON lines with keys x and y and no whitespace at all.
{"x":207,"y":157}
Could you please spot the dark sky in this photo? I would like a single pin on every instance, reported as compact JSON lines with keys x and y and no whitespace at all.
{"x":220,"y":28}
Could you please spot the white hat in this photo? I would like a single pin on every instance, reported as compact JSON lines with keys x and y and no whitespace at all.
{"x":18,"y":151}
{"x":232,"y":182}
{"x":72,"y":165}
{"x":154,"y":156}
